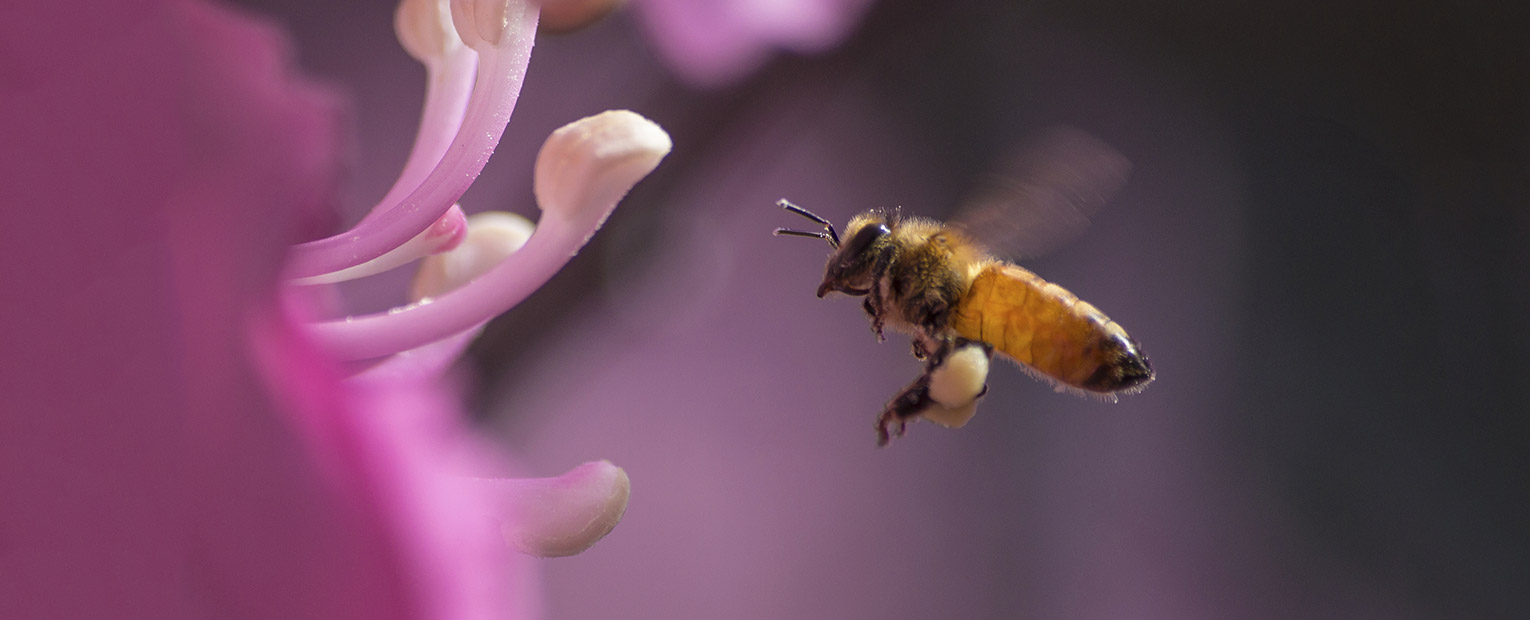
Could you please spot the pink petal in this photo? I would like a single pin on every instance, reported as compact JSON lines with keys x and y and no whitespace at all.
{"x":710,"y":43}
{"x":167,"y":448}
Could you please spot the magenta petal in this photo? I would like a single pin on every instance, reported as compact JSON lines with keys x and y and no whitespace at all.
{"x":167,"y":449}
{"x":408,"y":433}
{"x":713,"y":42}
{"x":431,"y":360}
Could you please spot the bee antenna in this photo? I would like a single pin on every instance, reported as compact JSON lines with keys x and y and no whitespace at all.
{"x":808,"y":233}
{"x":831,"y":236}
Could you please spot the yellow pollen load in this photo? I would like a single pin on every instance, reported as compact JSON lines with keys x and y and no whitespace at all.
{"x":1037,"y":323}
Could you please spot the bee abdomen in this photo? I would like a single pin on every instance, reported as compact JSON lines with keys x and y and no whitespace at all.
{"x":1047,"y":328}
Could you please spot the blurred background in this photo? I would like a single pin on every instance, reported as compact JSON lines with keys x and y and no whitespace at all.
{"x":1324,"y":246}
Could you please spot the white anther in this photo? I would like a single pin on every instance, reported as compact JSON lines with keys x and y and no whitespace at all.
{"x":491,"y":236}
{"x":483,"y":23}
{"x":585,"y":167}
{"x":424,"y":28}
{"x":562,"y":516}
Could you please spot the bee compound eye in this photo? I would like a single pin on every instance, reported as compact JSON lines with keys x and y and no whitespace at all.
{"x":857,"y":246}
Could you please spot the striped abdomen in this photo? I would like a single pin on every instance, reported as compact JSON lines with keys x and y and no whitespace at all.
{"x":1047,"y":328}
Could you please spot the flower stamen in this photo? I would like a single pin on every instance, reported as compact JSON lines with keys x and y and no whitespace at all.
{"x":562,"y":516}
{"x":501,"y":71}
{"x":583,"y":170}
{"x":444,"y":235}
{"x":484,"y":23}
{"x":425,"y":31}
{"x":491,"y":236}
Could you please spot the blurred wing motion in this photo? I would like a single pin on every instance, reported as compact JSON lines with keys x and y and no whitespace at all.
{"x":1042,"y":199}
{"x":1042,"y":195}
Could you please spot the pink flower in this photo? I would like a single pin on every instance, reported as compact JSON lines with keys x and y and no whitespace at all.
{"x":710,"y":43}
{"x":182,"y":436}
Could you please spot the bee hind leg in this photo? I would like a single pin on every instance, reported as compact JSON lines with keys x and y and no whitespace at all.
{"x":909,"y":403}
{"x":946,"y":393}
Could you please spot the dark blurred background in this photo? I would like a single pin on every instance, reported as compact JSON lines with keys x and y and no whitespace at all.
{"x":1324,"y":246}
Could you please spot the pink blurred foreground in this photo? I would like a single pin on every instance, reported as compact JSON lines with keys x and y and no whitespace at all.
{"x":171,"y":446}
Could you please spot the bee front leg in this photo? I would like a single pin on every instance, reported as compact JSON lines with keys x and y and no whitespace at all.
{"x":876,"y":300}
{"x":946,"y":393}
{"x":874,"y":311}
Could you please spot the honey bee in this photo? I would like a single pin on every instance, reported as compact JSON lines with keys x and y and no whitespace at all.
{"x":960,"y":303}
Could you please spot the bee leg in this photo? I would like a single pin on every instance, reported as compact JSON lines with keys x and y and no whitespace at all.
{"x":876,"y":316}
{"x":923,"y":343}
{"x":876,"y":298}
{"x":956,"y":343}
{"x":945,"y":393}
{"x":909,"y":402}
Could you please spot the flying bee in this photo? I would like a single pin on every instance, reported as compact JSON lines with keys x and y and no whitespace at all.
{"x":960,"y":302}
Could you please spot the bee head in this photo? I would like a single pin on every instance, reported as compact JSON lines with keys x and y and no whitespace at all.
{"x":851,"y":267}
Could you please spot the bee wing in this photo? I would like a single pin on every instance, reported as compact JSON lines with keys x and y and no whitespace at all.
{"x":1043,"y":193}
